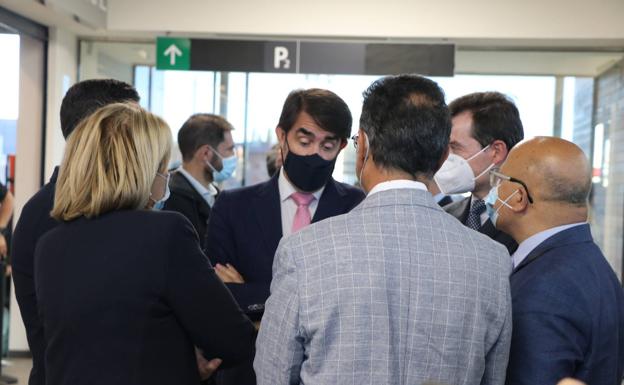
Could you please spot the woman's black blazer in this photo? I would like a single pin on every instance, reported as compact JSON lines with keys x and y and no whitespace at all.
{"x":126,"y":296}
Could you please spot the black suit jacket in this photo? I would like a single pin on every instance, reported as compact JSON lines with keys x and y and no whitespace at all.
{"x":125,"y":297}
{"x":461,"y":209}
{"x":568,"y":314}
{"x":188,"y":202}
{"x":245,"y":228}
{"x":34,"y":221}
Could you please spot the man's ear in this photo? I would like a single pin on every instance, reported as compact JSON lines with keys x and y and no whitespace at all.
{"x":281,"y":135}
{"x":500,"y":151}
{"x":519,"y":202}
{"x":343,"y":144}
{"x":203,"y":152}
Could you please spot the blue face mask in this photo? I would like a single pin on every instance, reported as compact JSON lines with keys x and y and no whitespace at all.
{"x":228,"y":170}
{"x":159,"y":204}
{"x":491,"y":200}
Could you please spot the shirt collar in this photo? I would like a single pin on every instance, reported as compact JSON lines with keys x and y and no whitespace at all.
{"x":211,"y":191}
{"x":528,"y":245}
{"x":398,"y":184}
{"x":286,"y":189}
{"x":439,"y":196}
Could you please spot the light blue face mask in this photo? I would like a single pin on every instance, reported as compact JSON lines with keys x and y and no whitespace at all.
{"x":228,"y":170}
{"x":491,"y":199}
{"x":159,"y":204}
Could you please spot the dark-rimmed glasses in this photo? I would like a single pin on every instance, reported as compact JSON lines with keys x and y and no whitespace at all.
{"x":496,"y":177}
{"x":355,"y":138}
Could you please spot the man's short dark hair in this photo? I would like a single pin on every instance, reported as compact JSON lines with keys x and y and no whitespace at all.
{"x":494,"y":117}
{"x":199,"y":130}
{"x":83,"y":98}
{"x":327,"y":109}
{"x":407,"y":123}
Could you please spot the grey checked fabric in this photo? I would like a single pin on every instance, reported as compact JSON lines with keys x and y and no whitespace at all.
{"x":477,"y":208}
{"x":395,"y":292}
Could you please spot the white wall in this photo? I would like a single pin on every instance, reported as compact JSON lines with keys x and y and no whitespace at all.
{"x":62,"y":72}
{"x":28,"y":154}
{"x":454,"y":19}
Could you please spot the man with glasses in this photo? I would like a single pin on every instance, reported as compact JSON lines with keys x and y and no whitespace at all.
{"x":568,"y":305}
{"x":485,"y":127}
{"x":246,"y":224}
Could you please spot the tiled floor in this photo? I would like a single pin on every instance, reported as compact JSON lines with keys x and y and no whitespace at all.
{"x":18,"y":368}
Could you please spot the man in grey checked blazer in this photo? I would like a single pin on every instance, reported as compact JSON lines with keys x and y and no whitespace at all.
{"x":397,"y":291}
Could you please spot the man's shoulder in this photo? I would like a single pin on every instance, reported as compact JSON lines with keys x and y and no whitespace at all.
{"x":41,"y":203}
{"x":349,"y":190}
{"x":180,"y":186}
{"x":241,"y":194}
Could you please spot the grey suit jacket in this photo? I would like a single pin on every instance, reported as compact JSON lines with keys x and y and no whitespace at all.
{"x":395,"y":292}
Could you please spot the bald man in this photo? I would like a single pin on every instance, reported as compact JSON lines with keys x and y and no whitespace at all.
{"x":568,"y":305}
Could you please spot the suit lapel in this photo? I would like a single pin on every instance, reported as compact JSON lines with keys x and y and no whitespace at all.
{"x":577,"y":234}
{"x":461,"y":210}
{"x":489,"y":229}
{"x":268,"y":213}
{"x":329,"y":203}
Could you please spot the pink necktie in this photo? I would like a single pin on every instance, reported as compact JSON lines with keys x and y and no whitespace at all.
{"x":302,"y":216}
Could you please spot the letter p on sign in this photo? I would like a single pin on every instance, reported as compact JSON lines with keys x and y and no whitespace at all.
{"x":280,"y":58}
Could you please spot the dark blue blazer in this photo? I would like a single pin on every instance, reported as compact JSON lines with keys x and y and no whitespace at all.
{"x":34,"y":221}
{"x":568,"y":314}
{"x":245,"y":228}
{"x":125,"y":297}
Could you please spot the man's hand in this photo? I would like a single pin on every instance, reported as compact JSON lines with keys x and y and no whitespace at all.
{"x":228,"y":273}
{"x":206,"y":368}
{"x":3,"y":246}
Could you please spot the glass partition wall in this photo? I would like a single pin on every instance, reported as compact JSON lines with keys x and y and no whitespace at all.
{"x":548,"y":104}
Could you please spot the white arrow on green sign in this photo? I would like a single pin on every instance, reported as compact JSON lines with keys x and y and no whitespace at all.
{"x":173,"y":53}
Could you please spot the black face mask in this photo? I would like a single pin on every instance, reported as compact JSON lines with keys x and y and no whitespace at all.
{"x":308,"y":173}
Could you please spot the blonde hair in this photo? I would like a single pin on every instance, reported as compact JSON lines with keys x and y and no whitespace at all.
{"x":110,"y":162}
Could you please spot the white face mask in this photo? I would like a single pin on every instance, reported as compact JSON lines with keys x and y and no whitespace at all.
{"x":456,"y":176}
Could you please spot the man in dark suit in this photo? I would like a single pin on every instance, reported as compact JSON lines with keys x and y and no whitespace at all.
{"x":208,"y":157}
{"x":247,"y":224}
{"x":568,"y":305}
{"x":485,"y":127}
{"x":81,"y":100}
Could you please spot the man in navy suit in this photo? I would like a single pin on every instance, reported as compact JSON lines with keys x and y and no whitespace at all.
{"x":247,"y":224}
{"x":568,"y":305}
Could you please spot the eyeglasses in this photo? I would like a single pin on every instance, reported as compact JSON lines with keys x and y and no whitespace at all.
{"x":355,"y":138}
{"x":497,"y":177}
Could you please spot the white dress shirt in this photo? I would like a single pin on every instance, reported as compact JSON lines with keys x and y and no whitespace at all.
{"x":208,"y":194}
{"x":397,"y":184}
{"x":287,"y":204}
{"x":529,"y":244}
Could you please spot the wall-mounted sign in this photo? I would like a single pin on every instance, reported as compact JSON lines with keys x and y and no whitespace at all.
{"x":304,"y":57}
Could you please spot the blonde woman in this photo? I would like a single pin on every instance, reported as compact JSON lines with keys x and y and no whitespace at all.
{"x":124,"y":291}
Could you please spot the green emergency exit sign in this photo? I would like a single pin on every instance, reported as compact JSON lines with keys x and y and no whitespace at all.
{"x":173,"y":53}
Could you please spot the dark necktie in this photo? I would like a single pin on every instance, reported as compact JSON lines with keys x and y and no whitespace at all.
{"x":474,"y":217}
